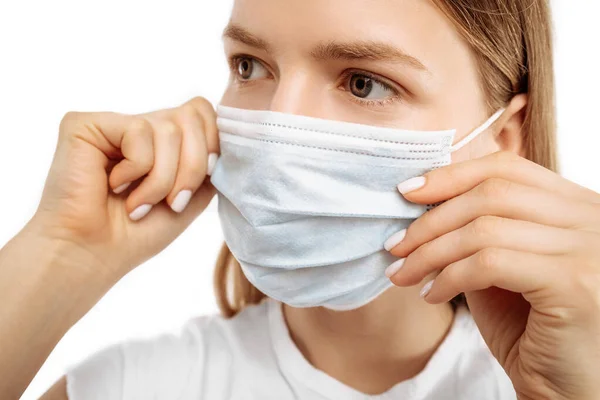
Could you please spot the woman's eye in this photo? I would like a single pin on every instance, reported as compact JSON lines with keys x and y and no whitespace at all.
{"x":249,"y":69}
{"x":366,"y":87}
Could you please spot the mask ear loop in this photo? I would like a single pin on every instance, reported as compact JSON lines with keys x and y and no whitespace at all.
{"x":477,"y":131}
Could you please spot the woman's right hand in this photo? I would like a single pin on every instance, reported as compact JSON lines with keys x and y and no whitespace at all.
{"x":111,"y":172}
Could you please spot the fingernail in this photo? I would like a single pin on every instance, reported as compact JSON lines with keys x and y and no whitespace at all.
{"x":411,"y":184}
{"x":426,"y":289}
{"x":394,"y":240}
{"x":122,"y":188}
{"x":395,"y":267}
{"x":212,"y":161}
{"x":181,"y":201}
{"x":140,"y":212}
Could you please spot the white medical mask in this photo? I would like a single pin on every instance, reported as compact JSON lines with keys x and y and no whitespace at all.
{"x":307,"y":203}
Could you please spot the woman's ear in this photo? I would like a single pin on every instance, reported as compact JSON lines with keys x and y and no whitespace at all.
{"x":510,"y":136}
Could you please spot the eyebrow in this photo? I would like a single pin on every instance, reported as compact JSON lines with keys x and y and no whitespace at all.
{"x":365,"y":50}
{"x":334,"y":50}
{"x":240,"y":34}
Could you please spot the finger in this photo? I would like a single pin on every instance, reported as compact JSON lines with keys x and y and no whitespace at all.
{"x":193,"y":163}
{"x":159,"y":182}
{"x":481,"y":233}
{"x":452,"y":180}
{"x":209,"y":118}
{"x":500,"y":198}
{"x":116,"y":136}
{"x":516,"y":271}
{"x":137,"y":148}
{"x":211,"y":131}
{"x":178,"y":222}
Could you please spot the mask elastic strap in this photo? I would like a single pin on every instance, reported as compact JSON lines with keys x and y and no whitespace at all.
{"x":477,"y":131}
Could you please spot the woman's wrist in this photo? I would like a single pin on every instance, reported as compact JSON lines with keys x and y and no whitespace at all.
{"x":40,"y":270}
{"x":65,"y":256}
{"x":46,"y":286}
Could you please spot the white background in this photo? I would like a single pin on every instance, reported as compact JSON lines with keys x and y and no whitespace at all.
{"x":135,"y":56}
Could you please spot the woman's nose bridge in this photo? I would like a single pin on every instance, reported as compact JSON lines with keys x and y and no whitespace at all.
{"x":297,"y":93}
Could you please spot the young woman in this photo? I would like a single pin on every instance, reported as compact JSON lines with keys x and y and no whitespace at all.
{"x":517,"y":239}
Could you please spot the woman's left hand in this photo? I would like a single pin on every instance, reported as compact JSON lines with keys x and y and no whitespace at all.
{"x":523,"y":244}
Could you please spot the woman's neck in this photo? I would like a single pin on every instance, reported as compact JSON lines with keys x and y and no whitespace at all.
{"x":376,"y":346}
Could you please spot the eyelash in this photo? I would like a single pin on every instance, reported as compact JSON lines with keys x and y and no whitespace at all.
{"x":234,"y":61}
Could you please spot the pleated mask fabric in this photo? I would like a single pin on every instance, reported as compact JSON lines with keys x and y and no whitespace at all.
{"x":306,"y":203}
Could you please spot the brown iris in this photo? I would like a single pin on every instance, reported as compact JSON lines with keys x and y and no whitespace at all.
{"x":361,"y":86}
{"x":245,"y":68}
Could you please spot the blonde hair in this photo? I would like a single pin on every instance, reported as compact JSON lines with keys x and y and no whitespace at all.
{"x":512,"y":42}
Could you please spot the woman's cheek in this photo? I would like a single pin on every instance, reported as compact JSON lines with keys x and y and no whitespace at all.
{"x":252,"y":95}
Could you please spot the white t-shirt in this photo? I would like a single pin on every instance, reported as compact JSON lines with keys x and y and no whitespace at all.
{"x":252,"y":356}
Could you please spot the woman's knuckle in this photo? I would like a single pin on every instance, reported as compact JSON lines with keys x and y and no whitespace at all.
{"x":145,"y":161}
{"x":70,"y":117}
{"x":424,"y":253}
{"x":188,"y":110}
{"x":495,"y":188}
{"x":422,"y":224}
{"x":484,"y":225}
{"x":488,"y":258}
{"x":139,"y":126}
{"x":69,"y":121}
{"x":429,"y":222}
{"x":195,"y":170}
{"x":162,"y":184}
{"x":170,"y":129}
{"x":201,"y":103}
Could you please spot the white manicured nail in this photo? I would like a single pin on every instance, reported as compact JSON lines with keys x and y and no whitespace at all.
{"x":426,"y":289}
{"x":122,"y":188}
{"x":411,"y":184}
{"x":394,"y":240}
{"x":212,"y":161}
{"x":395,"y":267}
{"x":181,"y":201}
{"x":140,"y":212}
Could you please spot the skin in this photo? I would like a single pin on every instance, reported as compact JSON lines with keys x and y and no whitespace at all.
{"x":520,"y":240}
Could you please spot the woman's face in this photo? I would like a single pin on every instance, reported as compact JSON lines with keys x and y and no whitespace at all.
{"x":395,"y":63}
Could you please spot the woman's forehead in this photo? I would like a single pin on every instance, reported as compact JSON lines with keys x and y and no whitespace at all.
{"x":416,"y":32}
